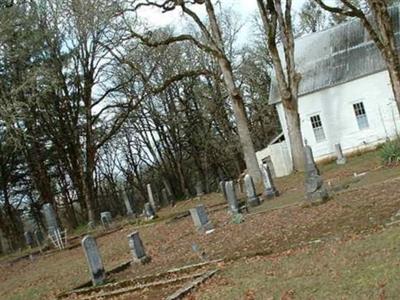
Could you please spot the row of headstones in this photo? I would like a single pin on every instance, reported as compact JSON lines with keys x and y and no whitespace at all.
{"x":229,"y":191}
{"x":315,"y":191}
{"x":95,"y":262}
{"x":199,"y":214}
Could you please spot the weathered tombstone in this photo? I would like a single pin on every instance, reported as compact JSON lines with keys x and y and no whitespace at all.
{"x":222,"y":189}
{"x":106,"y":219}
{"x":200,"y":218}
{"x":28,"y":238}
{"x":137,"y":249}
{"x":340,"y":158}
{"x":149,"y":213}
{"x":93,"y":257}
{"x":151,"y":197}
{"x":199,"y":189}
{"x":231,"y":197}
{"x":315,"y":189}
{"x":51,"y":219}
{"x":252,"y":198}
{"x":128,"y":206}
{"x":270,"y":190}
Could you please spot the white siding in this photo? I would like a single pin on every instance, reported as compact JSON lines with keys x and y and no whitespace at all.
{"x":279,"y":156}
{"x":335,"y":107}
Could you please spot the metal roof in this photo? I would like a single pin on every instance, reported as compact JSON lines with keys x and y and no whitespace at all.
{"x":335,"y":56}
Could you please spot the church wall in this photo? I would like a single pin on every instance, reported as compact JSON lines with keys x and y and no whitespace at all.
{"x":334,"y":105}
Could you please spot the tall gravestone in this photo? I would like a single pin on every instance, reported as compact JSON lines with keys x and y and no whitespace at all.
{"x":137,"y":248}
{"x":340,"y":158}
{"x":94,"y":260}
{"x":152,"y":200}
{"x":51,"y":218}
{"x":199,"y":189}
{"x":200,"y":218}
{"x":128,"y":206}
{"x":315,"y":190}
{"x":252,"y":198}
{"x":231,"y":197}
{"x":270,"y":190}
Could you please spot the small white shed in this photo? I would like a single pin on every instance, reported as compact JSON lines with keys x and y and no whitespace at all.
{"x":277,"y":157}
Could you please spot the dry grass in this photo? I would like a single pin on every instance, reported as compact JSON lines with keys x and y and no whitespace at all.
{"x":359,"y":268}
{"x":361,"y":208}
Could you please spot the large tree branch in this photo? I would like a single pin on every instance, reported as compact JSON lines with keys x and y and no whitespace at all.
{"x":174,"y":39}
{"x":351,"y":10}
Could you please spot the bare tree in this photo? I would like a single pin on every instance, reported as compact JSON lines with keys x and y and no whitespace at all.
{"x":215,"y":45}
{"x":277,"y":22}
{"x":312,"y":17}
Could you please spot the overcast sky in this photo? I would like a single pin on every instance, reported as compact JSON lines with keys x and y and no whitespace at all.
{"x":245,"y":9}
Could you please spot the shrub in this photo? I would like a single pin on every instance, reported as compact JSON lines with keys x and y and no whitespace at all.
{"x":390,"y":152}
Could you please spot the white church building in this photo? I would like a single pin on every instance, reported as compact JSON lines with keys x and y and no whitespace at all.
{"x":345,"y":96}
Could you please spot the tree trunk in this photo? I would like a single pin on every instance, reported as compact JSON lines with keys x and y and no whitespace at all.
{"x":241,"y":122}
{"x":295,"y":138}
{"x":90,"y":196}
{"x":237,"y":99}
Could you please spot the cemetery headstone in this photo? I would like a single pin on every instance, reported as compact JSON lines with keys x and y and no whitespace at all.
{"x":200,"y":218}
{"x":128,"y":206}
{"x":149,"y":213}
{"x":137,"y":248}
{"x":94,"y":260}
{"x":51,"y":219}
{"x":199,"y":189}
{"x":106,"y":219}
{"x":315,"y":190}
{"x":270,"y":190}
{"x":340,"y":158}
{"x":231,"y":197}
{"x":252,"y":198}
{"x":152,"y":200}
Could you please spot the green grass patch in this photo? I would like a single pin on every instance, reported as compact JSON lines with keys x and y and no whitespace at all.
{"x":359,"y":269}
